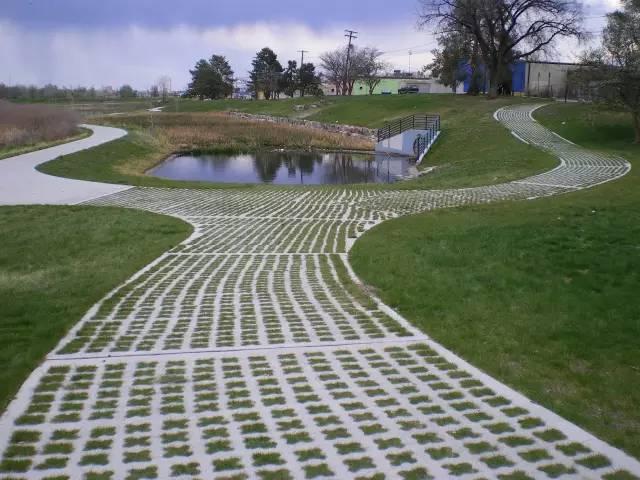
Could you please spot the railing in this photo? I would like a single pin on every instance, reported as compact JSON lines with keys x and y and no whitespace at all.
{"x":420,"y":144}
{"x":429,"y":122}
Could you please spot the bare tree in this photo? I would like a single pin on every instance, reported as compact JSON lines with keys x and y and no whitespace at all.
{"x":354,"y":69}
{"x":363,"y":64}
{"x":371,"y":68}
{"x":612,"y":72}
{"x":164,"y":87}
{"x":506,"y":30}
{"x":334,"y":63}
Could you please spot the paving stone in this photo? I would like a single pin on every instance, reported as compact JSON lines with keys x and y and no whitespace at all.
{"x":252,"y":351}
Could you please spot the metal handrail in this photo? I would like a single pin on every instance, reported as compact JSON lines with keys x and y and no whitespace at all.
{"x":411,"y":122}
{"x":424,"y":141}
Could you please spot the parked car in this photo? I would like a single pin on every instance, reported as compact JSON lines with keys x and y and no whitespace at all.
{"x":411,"y":89}
{"x":385,"y":92}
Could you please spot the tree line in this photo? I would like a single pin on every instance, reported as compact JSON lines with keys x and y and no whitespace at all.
{"x":269,"y":79}
{"x":54,"y":93}
{"x":51,"y":92}
{"x":214,"y":78}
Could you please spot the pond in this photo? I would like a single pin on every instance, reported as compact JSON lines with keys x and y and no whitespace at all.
{"x":286,"y":168}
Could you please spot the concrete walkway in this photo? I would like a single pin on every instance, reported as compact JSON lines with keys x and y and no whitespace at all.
{"x":251,"y":351}
{"x":22,"y":184}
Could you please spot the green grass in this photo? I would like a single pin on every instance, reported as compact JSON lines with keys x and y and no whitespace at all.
{"x":282,"y":108}
{"x":55,"y":263}
{"x":7,"y":152}
{"x":542,"y":295}
{"x":103,"y":163}
{"x":473,"y":149}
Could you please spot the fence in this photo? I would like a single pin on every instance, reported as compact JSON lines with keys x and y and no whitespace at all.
{"x":428,"y":122}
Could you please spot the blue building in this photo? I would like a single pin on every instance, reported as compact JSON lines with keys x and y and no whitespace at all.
{"x":544,"y":79}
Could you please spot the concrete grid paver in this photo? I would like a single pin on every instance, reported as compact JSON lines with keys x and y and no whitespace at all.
{"x":252,"y":351}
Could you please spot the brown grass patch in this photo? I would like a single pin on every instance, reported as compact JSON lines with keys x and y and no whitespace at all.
{"x":219,"y":132}
{"x":22,"y":125}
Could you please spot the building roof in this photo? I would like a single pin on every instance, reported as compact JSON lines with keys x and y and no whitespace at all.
{"x":551,"y":63}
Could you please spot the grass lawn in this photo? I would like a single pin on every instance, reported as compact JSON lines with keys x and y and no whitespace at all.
{"x":543,"y":295}
{"x":55,"y":263}
{"x":13,"y":151}
{"x":473,"y":149}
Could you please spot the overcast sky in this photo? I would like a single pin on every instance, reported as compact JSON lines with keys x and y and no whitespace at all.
{"x":112,"y":42}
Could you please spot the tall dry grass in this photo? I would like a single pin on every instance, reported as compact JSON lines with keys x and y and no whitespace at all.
{"x":214,"y":131}
{"x":22,"y":125}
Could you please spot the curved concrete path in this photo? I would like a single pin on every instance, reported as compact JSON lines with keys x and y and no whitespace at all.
{"x":22,"y":184}
{"x":251,"y":351}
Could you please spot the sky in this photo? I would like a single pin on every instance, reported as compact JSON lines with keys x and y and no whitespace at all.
{"x":115,"y":42}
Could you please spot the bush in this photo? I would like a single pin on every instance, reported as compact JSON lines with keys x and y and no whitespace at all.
{"x":31,"y":124}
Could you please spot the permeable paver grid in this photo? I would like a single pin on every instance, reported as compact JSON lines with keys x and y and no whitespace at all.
{"x":251,"y":351}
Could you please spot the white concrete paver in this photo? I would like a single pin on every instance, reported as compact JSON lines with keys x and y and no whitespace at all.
{"x":251,"y":351}
{"x":22,"y":184}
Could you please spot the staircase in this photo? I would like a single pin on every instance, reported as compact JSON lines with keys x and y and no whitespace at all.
{"x":411,"y":136}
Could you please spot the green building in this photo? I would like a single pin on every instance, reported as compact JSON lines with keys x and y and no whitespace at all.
{"x":391,"y":85}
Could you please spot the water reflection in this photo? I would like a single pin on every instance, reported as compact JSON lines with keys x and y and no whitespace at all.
{"x":286,"y":168}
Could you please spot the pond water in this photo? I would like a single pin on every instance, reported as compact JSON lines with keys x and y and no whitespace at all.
{"x":286,"y":168}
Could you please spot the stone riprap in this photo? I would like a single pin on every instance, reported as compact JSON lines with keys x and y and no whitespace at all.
{"x":349,"y":130}
{"x":252,"y":351}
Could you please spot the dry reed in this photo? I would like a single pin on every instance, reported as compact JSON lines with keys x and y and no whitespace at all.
{"x":22,"y":125}
{"x":214,"y":131}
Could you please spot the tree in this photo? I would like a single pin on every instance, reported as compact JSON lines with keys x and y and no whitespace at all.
{"x":371,"y":68}
{"x":355,"y":68}
{"x":342,"y":75}
{"x":265,"y":74}
{"x":449,"y":61}
{"x":334,"y":63}
{"x":164,"y":87}
{"x":505,"y":30}
{"x":308,"y":80}
{"x":211,"y":78}
{"x":127,"y":92}
{"x":612,"y":72}
{"x":289,"y":79}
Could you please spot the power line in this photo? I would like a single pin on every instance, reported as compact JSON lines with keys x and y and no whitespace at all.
{"x":414,"y":47}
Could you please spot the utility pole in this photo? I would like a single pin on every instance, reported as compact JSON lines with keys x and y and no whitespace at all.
{"x":410,"y":53}
{"x":352,"y":36}
{"x":302,"y":52}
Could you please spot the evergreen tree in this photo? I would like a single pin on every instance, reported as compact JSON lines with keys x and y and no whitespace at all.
{"x":127,"y":92}
{"x":308,"y":81}
{"x":211,"y":79}
{"x":289,"y":81}
{"x":265,"y":74}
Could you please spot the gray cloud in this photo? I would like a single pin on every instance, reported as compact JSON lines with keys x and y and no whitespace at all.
{"x":139,"y":55}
